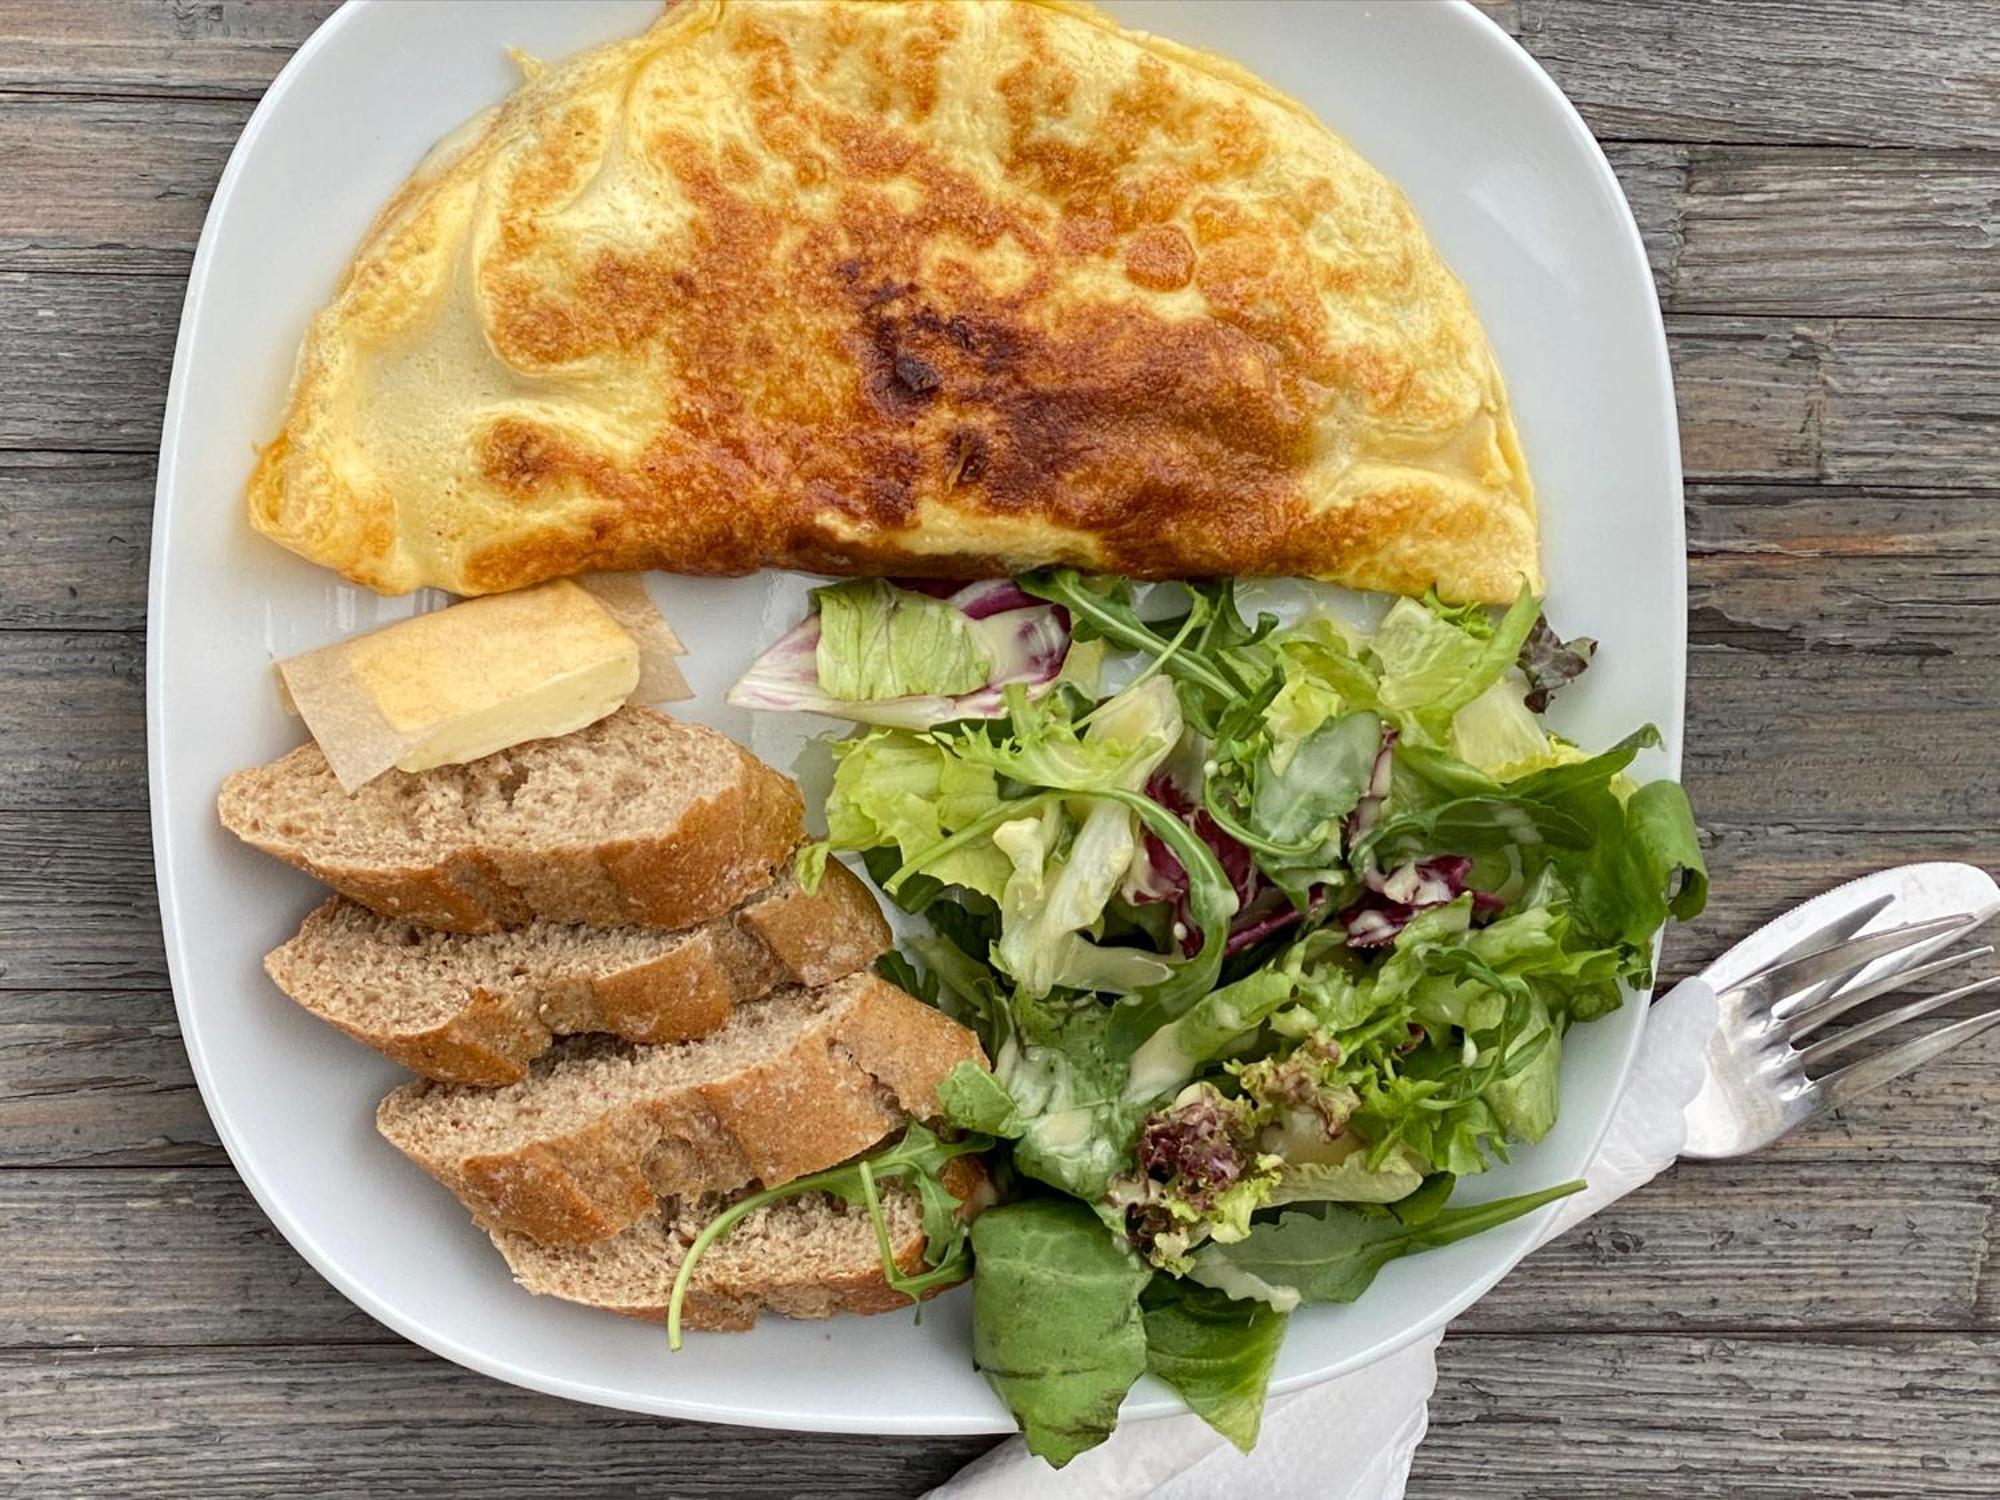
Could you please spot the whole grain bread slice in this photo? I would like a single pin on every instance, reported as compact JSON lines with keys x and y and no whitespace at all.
{"x":637,"y":819}
{"x":599,"y":1129}
{"x":477,"y":1008}
{"x":806,"y":1257}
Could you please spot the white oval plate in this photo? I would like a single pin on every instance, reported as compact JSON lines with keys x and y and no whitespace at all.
{"x":1514,"y":191}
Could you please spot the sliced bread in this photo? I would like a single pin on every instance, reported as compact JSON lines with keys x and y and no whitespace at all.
{"x":477,"y":1008}
{"x":805,"y":1257}
{"x":599,"y":1129}
{"x":637,"y":819}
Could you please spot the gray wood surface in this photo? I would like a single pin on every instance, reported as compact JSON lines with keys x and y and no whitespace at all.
{"x":1818,"y":184}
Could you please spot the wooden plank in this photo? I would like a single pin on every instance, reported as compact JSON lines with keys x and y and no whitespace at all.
{"x":1723,"y":1248}
{"x":1749,"y":1419}
{"x":1843,"y":401}
{"x":1655,"y":180}
{"x":190,"y":1246}
{"x":1732,"y":1246}
{"x":84,"y":360}
{"x":1911,"y":403}
{"x":81,"y":908}
{"x":98,"y":1078}
{"x":1750,"y":392}
{"x":74,"y":735}
{"x":1864,"y":72}
{"x":75,"y":531}
{"x":1830,"y":736}
{"x":244,"y":1424}
{"x":1820,"y":232}
{"x":109,"y":185}
{"x":221,"y":47}
{"x":1882,"y":1416}
{"x":1780,"y":571}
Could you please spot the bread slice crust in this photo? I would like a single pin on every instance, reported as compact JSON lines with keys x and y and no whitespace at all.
{"x":598,"y":1131}
{"x":477,"y":1008}
{"x":806,"y":1257}
{"x":544,"y":829}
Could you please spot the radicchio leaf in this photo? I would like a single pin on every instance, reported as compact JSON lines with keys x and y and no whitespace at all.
{"x":1416,"y":885}
{"x":1167,"y":881}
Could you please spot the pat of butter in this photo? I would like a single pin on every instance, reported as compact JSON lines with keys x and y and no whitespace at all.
{"x":496,"y":671}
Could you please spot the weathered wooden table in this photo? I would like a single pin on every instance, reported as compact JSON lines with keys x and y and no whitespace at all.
{"x":1819,"y":185}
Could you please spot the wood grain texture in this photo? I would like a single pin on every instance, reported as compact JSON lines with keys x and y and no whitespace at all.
{"x":391,"y":1420}
{"x":98,"y":1078}
{"x":230,"y":48}
{"x":81,"y":911}
{"x":1604,"y":1416}
{"x":1875,"y":234}
{"x":1708,"y":1248}
{"x":74,"y":734}
{"x":1744,"y":1418}
{"x":1861,"y":72}
{"x":75,"y":531}
{"x":110,"y":184}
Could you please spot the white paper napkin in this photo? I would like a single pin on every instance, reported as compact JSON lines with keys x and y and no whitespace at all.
{"x":1316,"y":1443}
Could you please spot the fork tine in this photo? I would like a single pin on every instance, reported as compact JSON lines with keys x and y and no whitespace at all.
{"x":1857,"y":1078}
{"x":1824,"y":1048}
{"x":1802,"y":1019}
{"x":1784,"y":980}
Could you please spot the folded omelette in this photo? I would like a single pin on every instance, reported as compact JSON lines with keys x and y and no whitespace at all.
{"x":911,"y":287}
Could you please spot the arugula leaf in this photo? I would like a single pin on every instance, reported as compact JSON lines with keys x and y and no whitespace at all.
{"x":1321,"y":781}
{"x":917,"y":1158}
{"x":1332,"y":1253}
{"x":1110,"y":617}
{"x":1215,"y":1351}
{"x":1056,"y":1325}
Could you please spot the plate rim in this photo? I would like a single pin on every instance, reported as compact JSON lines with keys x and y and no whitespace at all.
{"x":173,"y":929}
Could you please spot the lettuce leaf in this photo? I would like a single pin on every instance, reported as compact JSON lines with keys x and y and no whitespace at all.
{"x":1217,"y":1353}
{"x":1056,"y":1322}
{"x":894,"y":788}
{"x":878,"y":654}
{"x":879,"y":641}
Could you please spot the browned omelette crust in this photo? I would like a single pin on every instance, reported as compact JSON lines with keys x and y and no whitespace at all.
{"x":908,"y":287}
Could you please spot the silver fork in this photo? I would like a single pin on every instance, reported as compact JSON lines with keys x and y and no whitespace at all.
{"x":1777,"y":989}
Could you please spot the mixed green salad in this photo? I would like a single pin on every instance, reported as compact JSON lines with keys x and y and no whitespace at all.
{"x":1272,"y":931}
